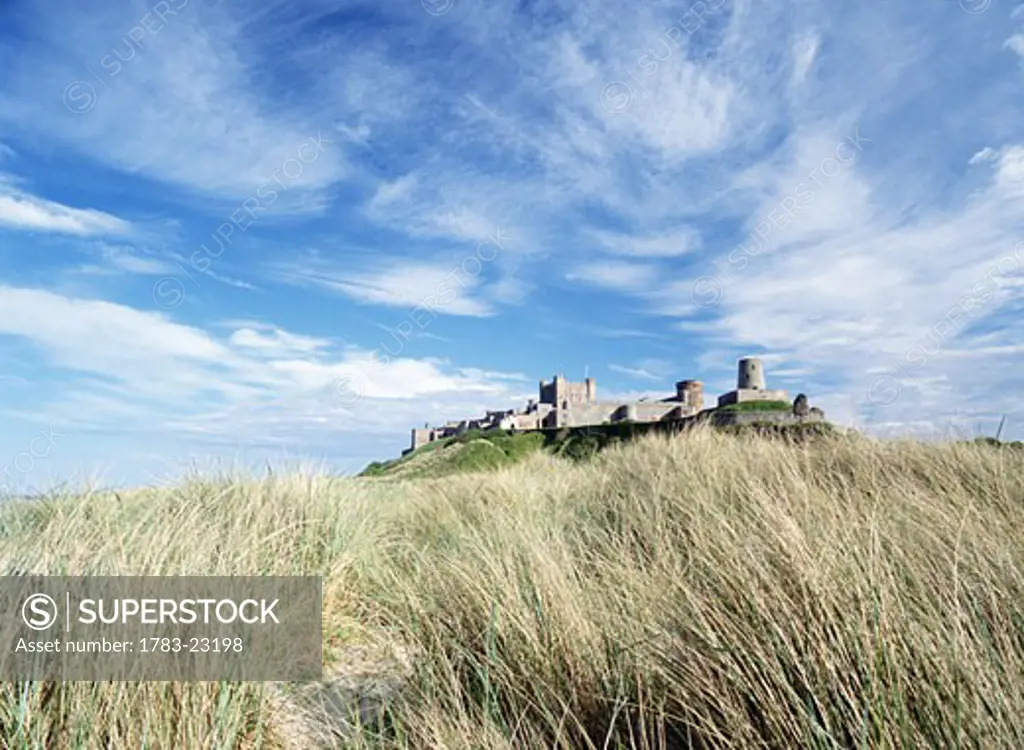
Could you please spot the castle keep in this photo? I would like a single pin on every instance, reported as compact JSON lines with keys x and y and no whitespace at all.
{"x":562,"y":403}
{"x":750,"y":385}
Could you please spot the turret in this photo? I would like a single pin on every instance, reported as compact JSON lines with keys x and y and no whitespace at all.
{"x":691,"y":393}
{"x":751,"y":374}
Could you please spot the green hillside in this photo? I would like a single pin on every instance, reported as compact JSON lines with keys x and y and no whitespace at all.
{"x":479,"y":450}
{"x":475,"y":450}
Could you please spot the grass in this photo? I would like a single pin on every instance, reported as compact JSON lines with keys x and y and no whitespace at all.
{"x":474,"y":450}
{"x":993,"y":442}
{"x":796,"y":432}
{"x":487,"y":450}
{"x":745,"y":406}
{"x":707,"y":591}
{"x":382,"y":468}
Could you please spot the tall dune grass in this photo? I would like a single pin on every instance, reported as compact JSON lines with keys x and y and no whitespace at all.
{"x":704,"y":591}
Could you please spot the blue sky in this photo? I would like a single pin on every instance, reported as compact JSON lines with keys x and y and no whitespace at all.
{"x":211,"y":216}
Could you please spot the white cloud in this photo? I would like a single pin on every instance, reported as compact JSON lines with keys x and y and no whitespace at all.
{"x":1010,"y":171}
{"x":615,"y":275}
{"x":444,"y":288}
{"x":269,"y":341}
{"x":654,"y":370}
{"x":152,"y":374}
{"x":1016,"y":44}
{"x":805,"y":50}
{"x":986,"y":154}
{"x":115,"y":259}
{"x":68,"y":328}
{"x":21,"y":210}
{"x":188,"y":108}
{"x":663,"y":245}
{"x":682,"y":111}
{"x":625,"y":333}
{"x":388,"y":193}
{"x":458,"y":204}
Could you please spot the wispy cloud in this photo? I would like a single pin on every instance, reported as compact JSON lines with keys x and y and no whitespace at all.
{"x":180,"y":378}
{"x":663,"y":245}
{"x":1016,"y":44}
{"x":181,"y":107}
{"x":626,"y":333}
{"x":443,"y":287}
{"x":615,"y":275}
{"x":22,"y":210}
{"x":266,"y":340}
{"x":122,"y":259}
{"x":654,"y":370}
{"x":805,"y":51}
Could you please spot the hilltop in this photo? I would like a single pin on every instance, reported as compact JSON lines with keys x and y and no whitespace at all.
{"x":569,"y":420}
{"x":487,"y":450}
{"x":564,"y":404}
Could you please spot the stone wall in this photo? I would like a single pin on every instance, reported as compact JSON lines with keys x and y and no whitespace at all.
{"x":652,"y":411}
{"x":522,"y":422}
{"x":421,"y":437}
{"x":744,"y":395}
{"x":723,"y":419}
{"x":614,"y":411}
{"x":583,"y":414}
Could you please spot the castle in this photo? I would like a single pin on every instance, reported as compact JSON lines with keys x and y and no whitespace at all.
{"x":562,"y":403}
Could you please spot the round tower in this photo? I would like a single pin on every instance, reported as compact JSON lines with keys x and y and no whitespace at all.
{"x":751,"y":374}
{"x":691,"y":393}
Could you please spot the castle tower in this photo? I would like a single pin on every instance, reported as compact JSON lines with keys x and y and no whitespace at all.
{"x":560,"y":392}
{"x":751,"y":374}
{"x":691,"y":393}
{"x":549,"y":392}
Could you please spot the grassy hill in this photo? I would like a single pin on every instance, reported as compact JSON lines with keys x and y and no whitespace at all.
{"x":475,"y":450}
{"x":480,"y":450}
{"x":745,"y":406}
{"x":708,"y":591}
